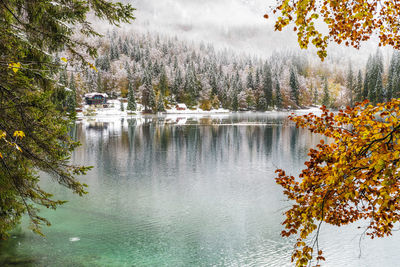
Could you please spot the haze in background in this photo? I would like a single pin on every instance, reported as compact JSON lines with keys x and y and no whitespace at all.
{"x":236,"y":24}
{"x":232,"y":24}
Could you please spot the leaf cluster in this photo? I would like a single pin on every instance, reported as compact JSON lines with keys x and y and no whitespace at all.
{"x":353,"y":177}
{"x":348,"y":22}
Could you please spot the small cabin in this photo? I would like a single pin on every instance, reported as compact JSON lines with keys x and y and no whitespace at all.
{"x":181,"y":107}
{"x":96,"y":98}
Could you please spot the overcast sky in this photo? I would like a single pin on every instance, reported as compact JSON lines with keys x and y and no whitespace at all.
{"x":236,"y":24}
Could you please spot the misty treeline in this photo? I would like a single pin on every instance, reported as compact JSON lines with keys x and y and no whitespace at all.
{"x":159,"y":72}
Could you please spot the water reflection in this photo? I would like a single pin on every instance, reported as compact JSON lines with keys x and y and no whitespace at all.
{"x":178,"y":191}
{"x":153,"y":142}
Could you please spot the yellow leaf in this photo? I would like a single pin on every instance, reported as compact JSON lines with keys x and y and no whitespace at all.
{"x":1,"y":155}
{"x":64,"y":59}
{"x":19,"y":134}
{"x":380,"y":165}
{"x":93,"y":67}
{"x":14,"y":66}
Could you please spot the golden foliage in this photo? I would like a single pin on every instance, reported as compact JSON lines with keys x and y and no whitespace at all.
{"x":354,"y":177}
{"x":15,"y":66}
{"x":350,"y":22}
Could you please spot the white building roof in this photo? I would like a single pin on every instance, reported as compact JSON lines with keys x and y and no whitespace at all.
{"x":181,"y":105}
{"x":94,"y":94}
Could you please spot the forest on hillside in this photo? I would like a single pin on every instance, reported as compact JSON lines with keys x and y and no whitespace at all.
{"x":159,"y":71}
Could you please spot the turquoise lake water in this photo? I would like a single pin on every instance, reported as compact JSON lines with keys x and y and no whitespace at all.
{"x":184,"y":191}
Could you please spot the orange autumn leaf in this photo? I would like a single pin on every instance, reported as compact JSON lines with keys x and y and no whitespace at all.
{"x":350,"y":22}
{"x":353,"y":177}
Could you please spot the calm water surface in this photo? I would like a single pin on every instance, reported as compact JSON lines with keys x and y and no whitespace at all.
{"x":184,"y":191}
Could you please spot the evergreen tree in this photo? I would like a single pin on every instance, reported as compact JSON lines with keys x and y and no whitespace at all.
{"x":396,"y":85}
{"x":128,"y":70}
{"x":60,"y":93}
{"x":358,"y":94}
{"x":367,"y":80}
{"x":114,"y":53}
{"x":160,"y":103}
{"x":125,"y":48}
{"x":326,"y":98}
{"x":315,"y":95}
{"x":278,"y":95}
{"x":106,"y":63}
{"x":379,"y":90}
{"x":103,"y":63}
{"x":119,"y":43}
{"x":250,"y":82}
{"x":391,"y":77}
{"x":372,"y":96}
{"x":235,"y":102}
{"x":64,"y":78}
{"x":148,"y":96}
{"x":267,"y":85}
{"x":257,"y":82}
{"x":163,"y":83}
{"x":213,"y":84}
{"x":396,"y":75}
{"x":177,"y":82}
{"x":294,"y":87}
{"x":350,"y":85}
{"x":374,"y":72}
{"x":262,"y":104}
{"x":156,"y":69}
{"x":31,"y":32}
{"x":99,"y":83}
{"x":192,"y":87}
{"x":131,"y":97}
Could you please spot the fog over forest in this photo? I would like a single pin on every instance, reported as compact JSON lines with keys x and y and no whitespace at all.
{"x":235,"y":24}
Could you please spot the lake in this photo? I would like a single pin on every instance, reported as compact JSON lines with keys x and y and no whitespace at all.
{"x":182,"y":190}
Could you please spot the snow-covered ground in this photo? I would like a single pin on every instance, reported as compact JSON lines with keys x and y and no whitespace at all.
{"x":315,"y":110}
{"x":196,"y":111}
{"x":113,"y":112}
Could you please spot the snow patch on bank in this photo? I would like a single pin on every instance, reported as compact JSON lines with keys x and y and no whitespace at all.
{"x":196,"y":111}
{"x":113,"y":112}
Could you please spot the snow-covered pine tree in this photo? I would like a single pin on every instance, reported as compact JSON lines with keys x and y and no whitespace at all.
{"x":350,"y":84}
{"x":379,"y":90}
{"x":163,"y":83}
{"x":278,"y":95}
{"x":249,"y":80}
{"x":267,"y":85}
{"x":294,"y":87}
{"x":358,"y":94}
{"x":326,"y":97}
{"x":148,"y":96}
{"x":131,"y":97}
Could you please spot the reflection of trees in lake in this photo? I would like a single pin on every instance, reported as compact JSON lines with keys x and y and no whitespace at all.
{"x":294,"y":135}
{"x":152,"y":142}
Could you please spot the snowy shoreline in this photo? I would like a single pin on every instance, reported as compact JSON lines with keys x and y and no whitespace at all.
{"x":114,"y":113}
